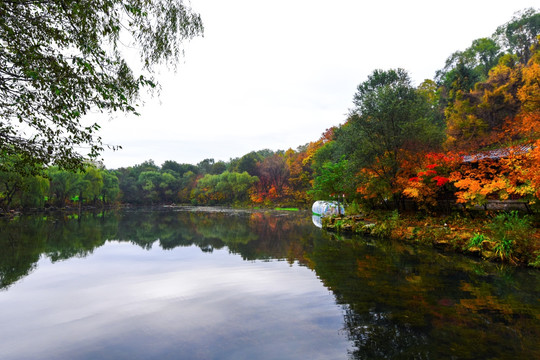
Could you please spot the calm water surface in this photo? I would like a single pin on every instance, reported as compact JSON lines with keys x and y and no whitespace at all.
{"x":218,"y":284}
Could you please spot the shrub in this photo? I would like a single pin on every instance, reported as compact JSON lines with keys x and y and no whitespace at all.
{"x":353,"y":209}
{"x":476,"y":240}
{"x":384,"y":227}
{"x":510,"y":232}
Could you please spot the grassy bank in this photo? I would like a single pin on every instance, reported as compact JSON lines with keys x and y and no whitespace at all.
{"x":507,"y":237}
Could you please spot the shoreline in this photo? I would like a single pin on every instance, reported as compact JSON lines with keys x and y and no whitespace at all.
{"x":449,"y":233}
{"x":469,"y":236}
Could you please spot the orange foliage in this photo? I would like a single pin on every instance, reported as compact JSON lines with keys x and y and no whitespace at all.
{"x":431,"y":177}
{"x":529,"y":93}
{"x":515,"y":171}
{"x":517,"y":175}
{"x":288,"y":177}
{"x":476,"y":182}
{"x":476,"y":118}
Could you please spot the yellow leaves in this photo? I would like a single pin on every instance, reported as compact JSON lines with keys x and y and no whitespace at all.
{"x":470,"y":184}
{"x":496,"y":184}
{"x":411,"y":192}
{"x":481,"y":300}
{"x":503,"y":109}
{"x":517,"y":174}
{"x":529,"y":93}
{"x":526,"y":189}
{"x":463,"y":125}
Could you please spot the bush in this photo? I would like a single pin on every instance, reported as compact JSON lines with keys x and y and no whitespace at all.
{"x":476,"y":240}
{"x":384,"y":227}
{"x":353,"y":209}
{"x":511,"y":232}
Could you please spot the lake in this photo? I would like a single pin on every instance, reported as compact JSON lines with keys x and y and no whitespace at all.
{"x":203,"y":283}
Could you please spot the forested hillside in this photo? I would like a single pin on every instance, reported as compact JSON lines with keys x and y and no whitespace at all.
{"x":469,"y":135}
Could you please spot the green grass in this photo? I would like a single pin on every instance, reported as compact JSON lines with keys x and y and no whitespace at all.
{"x":476,"y":240}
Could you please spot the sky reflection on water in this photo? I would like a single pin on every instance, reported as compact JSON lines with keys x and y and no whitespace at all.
{"x":189,"y":283}
{"x":125,"y":302}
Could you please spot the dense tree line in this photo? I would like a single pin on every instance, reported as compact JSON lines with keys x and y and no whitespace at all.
{"x":264,"y":177}
{"x":471,"y":134}
{"x":55,"y":187}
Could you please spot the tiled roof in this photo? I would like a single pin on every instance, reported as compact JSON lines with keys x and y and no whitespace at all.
{"x":498,"y":153}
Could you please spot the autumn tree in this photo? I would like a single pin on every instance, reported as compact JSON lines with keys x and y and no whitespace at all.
{"x":61,"y":59}
{"x":187,"y":183}
{"x":431,"y":179}
{"x":476,"y":118}
{"x":301,"y":171}
{"x":464,"y":69}
{"x":511,"y":169}
{"x":390,"y":123}
{"x":273,"y":177}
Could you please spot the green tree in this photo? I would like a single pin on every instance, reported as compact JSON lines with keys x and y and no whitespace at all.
{"x":179,"y":169}
{"x":94,"y":178}
{"x":240,"y":185}
{"x":485,"y":53}
{"x":61,"y":59}
{"x":158,"y":187}
{"x":210,"y":166}
{"x":62,"y":185}
{"x":35,"y":189}
{"x":127,"y":182}
{"x":390,"y":123}
{"x":464,"y":68}
{"x":20,"y":183}
{"x":219,"y":167}
{"x":333,"y":182}
{"x":225,"y":188}
{"x":248,"y":163}
{"x":111,"y":188}
{"x":149,"y":183}
{"x":519,"y":34}
{"x":10,"y":183}
{"x":168,"y":187}
{"x":458,"y":76}
{"x":187,"y":183}
{"x":82,"y":187}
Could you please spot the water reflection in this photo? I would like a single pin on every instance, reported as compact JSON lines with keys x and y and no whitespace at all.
{"x":409,"y":302}
{"x":396,"y":300}
{"x":317,"y":221}
{"x":254,"y":235}
{"x":180,"y":293}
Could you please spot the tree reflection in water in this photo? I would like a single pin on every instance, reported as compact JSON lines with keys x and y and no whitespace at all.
{"x":399,"y":300}
{"x":408,"y":302}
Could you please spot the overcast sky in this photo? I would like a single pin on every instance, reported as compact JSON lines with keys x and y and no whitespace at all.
{"x":276,"y":74}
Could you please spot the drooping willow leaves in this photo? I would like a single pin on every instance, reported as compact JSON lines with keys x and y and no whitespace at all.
{"x":61,"y":59}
